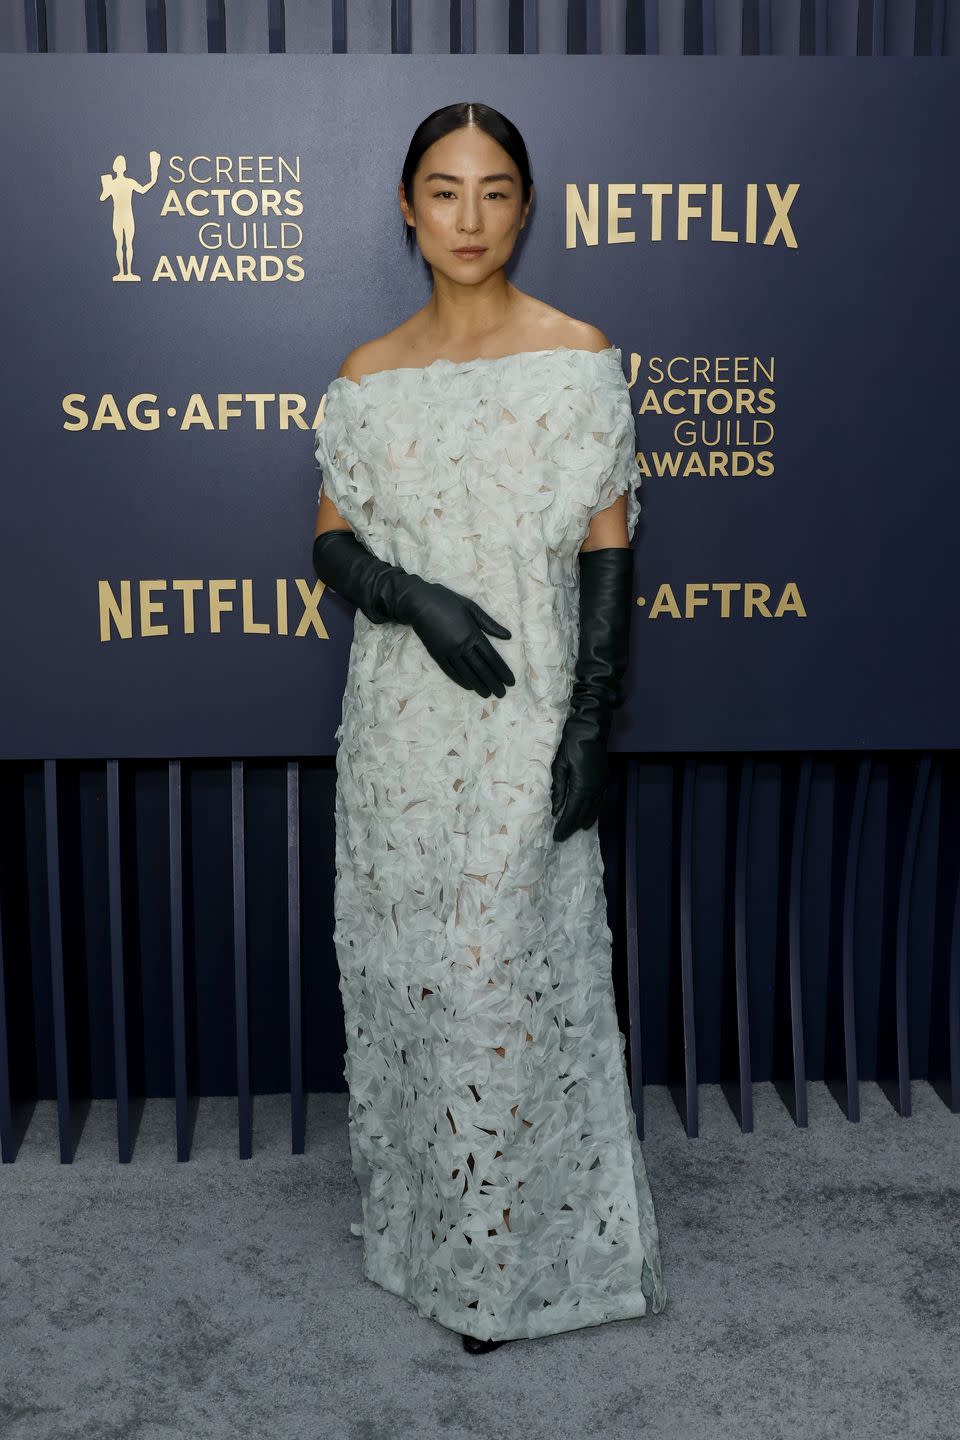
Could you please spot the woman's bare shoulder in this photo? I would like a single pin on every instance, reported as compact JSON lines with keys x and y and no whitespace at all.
{"x":371,"y":355}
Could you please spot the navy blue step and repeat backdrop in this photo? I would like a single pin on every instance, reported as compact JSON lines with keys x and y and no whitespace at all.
{"x":193,"y":243}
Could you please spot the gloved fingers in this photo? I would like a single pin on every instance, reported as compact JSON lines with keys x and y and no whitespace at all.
{"x":591,"y":813}
{"x":558,"y":786}
{"x":580,"y":811}
{"x":566,"y":824}
{"x":466,"y":675}
{"x":493,"y":661}
{"x":492,"y":627}
{"x":483,"y":659}
{"x":452,"y":673}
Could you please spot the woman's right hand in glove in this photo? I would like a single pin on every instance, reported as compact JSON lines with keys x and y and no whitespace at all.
{"x":454,"y":630}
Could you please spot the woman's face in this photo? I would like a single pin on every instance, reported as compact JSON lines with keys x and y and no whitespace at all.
{"x":466,"y":192}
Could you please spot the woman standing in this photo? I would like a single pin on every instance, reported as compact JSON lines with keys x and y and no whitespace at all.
{"x":477,"y":506}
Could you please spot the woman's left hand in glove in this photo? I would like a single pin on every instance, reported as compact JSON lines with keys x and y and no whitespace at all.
{"x":580,"y":766}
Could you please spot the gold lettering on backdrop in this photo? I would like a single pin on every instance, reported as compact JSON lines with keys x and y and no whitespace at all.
{"x":696,"y":596}
{"x":676,"y":210}
{"x":170,"y":607}
{"x":719,"y":407}
{"x":260,"y":408}
{"x":243,"y":211}
{"x":118,"y":621}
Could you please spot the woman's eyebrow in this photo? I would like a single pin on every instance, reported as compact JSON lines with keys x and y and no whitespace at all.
{"x":458,"y":179}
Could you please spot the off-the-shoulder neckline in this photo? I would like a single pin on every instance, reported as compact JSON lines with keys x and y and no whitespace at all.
{"x":611,"y":350}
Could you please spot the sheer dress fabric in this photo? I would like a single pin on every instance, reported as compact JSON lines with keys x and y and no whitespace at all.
{"x":502,"y":1188}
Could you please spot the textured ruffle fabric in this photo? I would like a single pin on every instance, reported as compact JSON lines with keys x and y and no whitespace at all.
{"x":502,"y":1187}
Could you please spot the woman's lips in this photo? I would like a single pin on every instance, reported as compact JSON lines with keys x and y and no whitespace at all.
{"x":470,"y":252}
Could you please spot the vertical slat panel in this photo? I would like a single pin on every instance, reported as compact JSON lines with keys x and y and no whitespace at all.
{"x":244,"y":1115}
{"x":691,"y":1097}
{"x":848,"y":950}
{"x":936,"y":28}
{"x":400,"y":37}
{"x":904,"y":899}
{"x":843,"y":22}
{"x":953,"y":1002}
{"x":708,"y":28}
{"x":175,"y":812}
{"x":246,"y":28}
{"x":591,"y":28}
{"x":630,"y":859}
{"x":35,"y":18}
{"x":294,"y":932}
{"x":338,"y":43}
{"x":126,"y":28}
{"x":156,"y":18}
{"x":463,"y":27}
{"x":7,"y":1155}
{"x":217,"y":38}
{"x":55,"y":929}
{"x":671,"y":22}
{"x":117,"y":966}
{"x":276,"y":27}
{"x":795,"y":902}
{"x":740,"y":933}
{"x":95,"y":12}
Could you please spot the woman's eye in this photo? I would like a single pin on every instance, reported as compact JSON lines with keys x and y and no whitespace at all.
{"x":439,"y":194}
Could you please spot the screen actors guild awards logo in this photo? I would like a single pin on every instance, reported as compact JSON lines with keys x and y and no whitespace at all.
{"x":120,"y":188}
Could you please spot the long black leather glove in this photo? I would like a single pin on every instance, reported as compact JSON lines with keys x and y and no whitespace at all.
{"x":450,"y":625}
{"x":580,"y":768}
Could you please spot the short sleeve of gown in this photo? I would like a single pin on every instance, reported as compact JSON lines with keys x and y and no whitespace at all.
{"x":618,"y":473}
{"x":345,"y":476}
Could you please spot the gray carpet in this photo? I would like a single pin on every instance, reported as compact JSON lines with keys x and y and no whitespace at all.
{"x":813,"y":1290}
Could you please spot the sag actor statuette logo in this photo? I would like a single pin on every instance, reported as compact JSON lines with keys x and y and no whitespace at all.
{"x":230,"y":217}
{"x":120,"y":188}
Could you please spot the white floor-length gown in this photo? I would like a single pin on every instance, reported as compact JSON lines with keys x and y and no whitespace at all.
{"x":502,"y":1187}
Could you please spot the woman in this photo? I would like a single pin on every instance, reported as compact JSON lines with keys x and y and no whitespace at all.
{"x":478,"y":486}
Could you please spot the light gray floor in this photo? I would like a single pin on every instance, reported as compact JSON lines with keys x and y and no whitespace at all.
{"x":813,"y":1283}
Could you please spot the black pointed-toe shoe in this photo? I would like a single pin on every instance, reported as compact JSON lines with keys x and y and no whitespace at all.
{"x":478,"y":1347}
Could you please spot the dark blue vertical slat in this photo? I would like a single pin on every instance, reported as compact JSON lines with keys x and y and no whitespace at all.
{"x":463,"y":27}
{"x":276,"y":27}
{"x":175,"y":816}
{"x":878,"y":44}
{"x":692,"y":1117}
{"x":850,"y":879}
{"x":55,"y":925}
{"x":592,"y":44}
{"x":117,"y":968}
{"x":795,"y":902}
{"x":244,"y":1118}
{"x":216,"y":28}
{"x":764,"y":28}
{"x":35,"y":19}
{"x":530,"y":34}
{"x":708,"y":28}
{"x":156,"y":27}
{"x":297,"y":1108}
{"x":630,"y":862}
{"x":6,"y":1105}
{"x":938,"y":27}
{"x":953,"y":1003}
{"x":96,"y":17}
{"x":740,"y":932}
{"x":338,"y":44}
{"x":904,"y":898}
{"x":691,"y":36}
{"x":651,"y":17}
{"x":400,"y":37}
